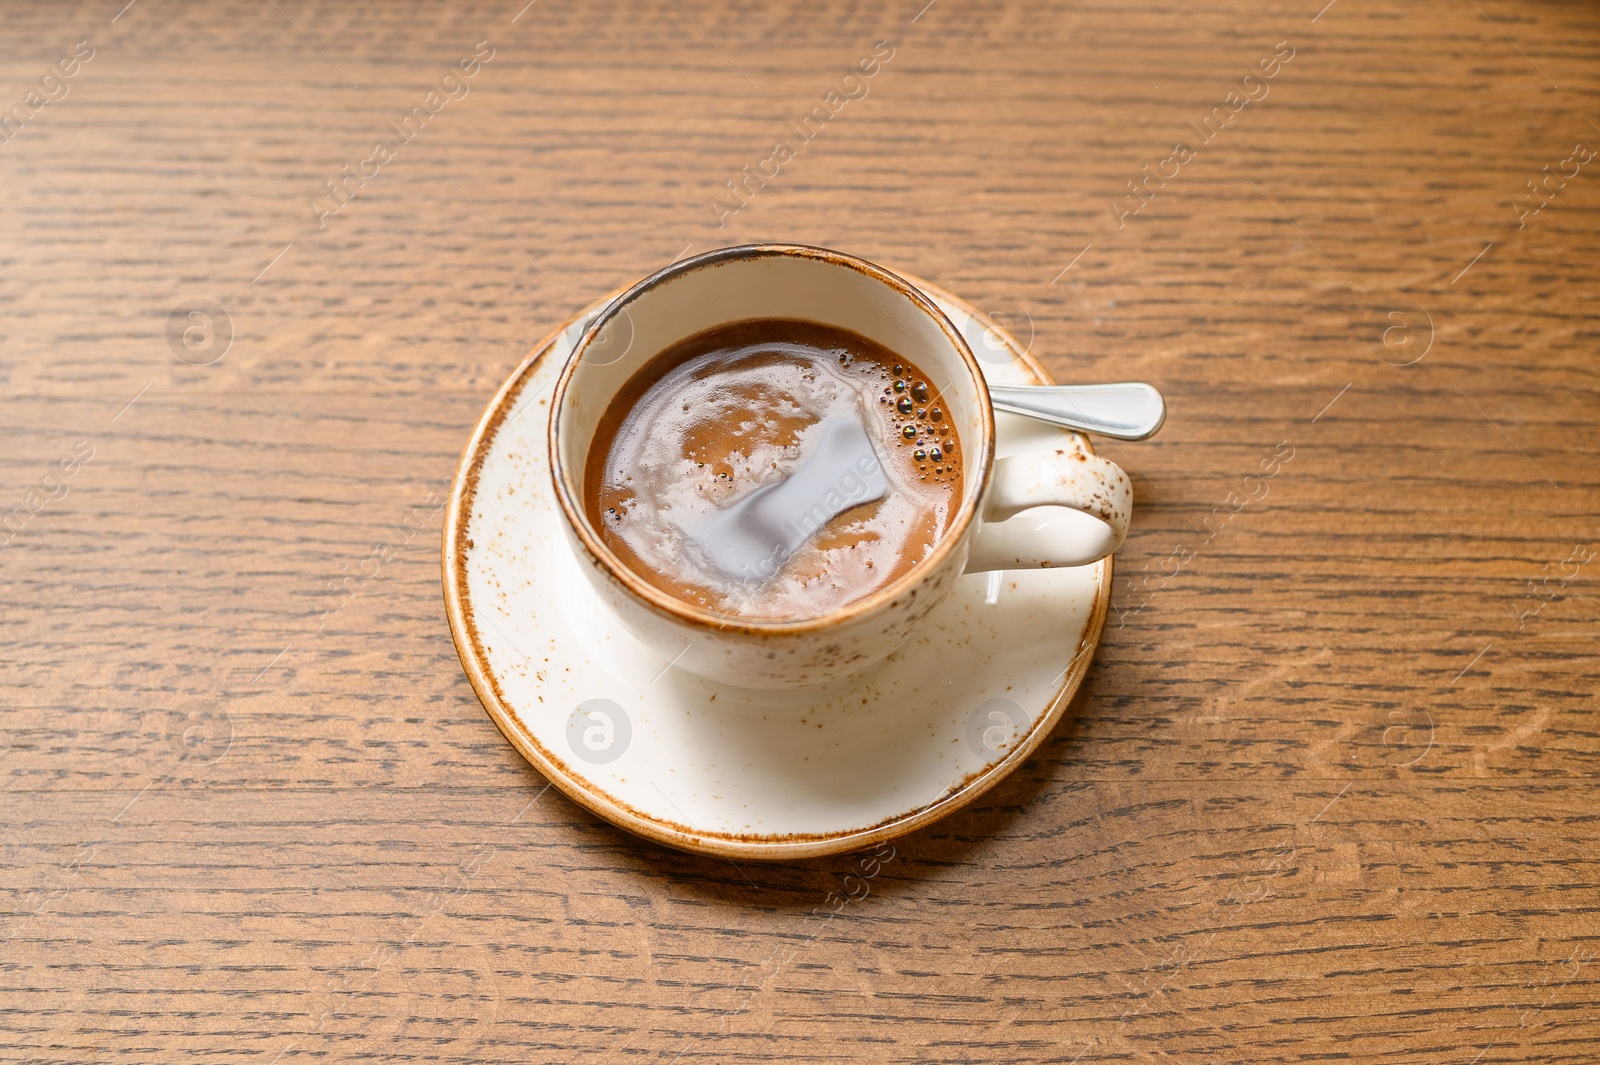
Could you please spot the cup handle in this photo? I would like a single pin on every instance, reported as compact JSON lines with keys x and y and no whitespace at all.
{"x":1014,"y":536}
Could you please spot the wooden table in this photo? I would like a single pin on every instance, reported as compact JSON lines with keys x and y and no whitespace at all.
{"x":1329,"y":791}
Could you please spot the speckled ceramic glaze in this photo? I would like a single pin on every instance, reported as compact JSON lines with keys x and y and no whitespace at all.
{"x":733,"y":771}
{"x":781,"y":281}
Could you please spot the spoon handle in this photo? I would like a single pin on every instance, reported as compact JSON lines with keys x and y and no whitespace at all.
{"x":1127,"y":411}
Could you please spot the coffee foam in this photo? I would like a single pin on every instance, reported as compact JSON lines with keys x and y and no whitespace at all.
{"x":753,"y":537}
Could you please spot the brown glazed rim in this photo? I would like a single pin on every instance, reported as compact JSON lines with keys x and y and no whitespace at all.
{"x":679,"y":610}
{"x":753,"y":847}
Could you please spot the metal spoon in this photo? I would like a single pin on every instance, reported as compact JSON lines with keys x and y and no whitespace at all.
{"x":1127,"y":411}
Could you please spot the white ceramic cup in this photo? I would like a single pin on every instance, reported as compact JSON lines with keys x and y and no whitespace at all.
{"x":1009,"y":516}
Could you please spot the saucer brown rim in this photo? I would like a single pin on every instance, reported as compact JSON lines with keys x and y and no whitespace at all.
{"x":584,"y":792}
{"x":675,"y":609}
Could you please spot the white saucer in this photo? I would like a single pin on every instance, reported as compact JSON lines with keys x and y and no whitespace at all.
{"x":729,"y":771}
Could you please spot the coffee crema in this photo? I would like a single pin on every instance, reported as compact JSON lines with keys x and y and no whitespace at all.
{"x":724,"y":413}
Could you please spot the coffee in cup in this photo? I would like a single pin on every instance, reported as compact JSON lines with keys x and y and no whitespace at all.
{"x":734,"y":410}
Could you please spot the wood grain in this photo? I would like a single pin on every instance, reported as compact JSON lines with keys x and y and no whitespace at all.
{"x":1328,"y":793}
